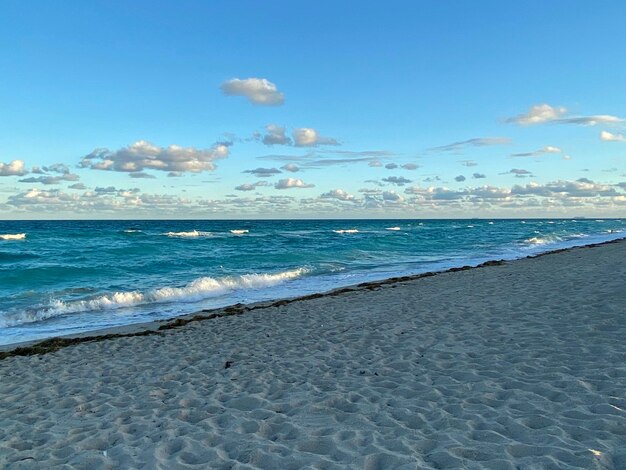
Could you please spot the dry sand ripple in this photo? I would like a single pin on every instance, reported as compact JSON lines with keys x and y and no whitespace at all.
{"x":518,"y":366}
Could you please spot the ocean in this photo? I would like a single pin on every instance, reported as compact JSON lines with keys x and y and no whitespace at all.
{"x":64,"y":277}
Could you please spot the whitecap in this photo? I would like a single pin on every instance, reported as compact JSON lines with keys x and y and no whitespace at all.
{"x":239,"y":232}
{"x":191,"y":234}
{"x":196,"y":290}
{"x":395,"y":229}
{"x":349,"y":230}
{"x":543,"y":240}
{"x":12,"y":236}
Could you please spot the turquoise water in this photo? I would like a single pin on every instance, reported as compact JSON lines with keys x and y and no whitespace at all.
{"x":72,"y":276}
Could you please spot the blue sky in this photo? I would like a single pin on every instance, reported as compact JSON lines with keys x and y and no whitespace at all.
{"x":350,"y":109}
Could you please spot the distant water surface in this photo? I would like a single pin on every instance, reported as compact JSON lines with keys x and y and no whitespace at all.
{"x":67,"y":277}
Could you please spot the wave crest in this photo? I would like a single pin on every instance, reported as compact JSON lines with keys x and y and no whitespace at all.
{"x":349,"y":230}
{"x":198,"y":289}
{"x":191,"y":234}
{"x":12,"y":236}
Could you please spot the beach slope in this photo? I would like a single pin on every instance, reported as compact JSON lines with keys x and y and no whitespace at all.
{"x":516,"y":365}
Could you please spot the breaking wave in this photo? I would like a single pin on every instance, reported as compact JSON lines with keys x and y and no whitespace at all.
{"x":12,"y":236}
{"x":198,"y":289}
{"x":542,"y":240}
{"x":395,"y":229}
{"x":239,"y":232}
{"x":191,"y":234}
{"x":349,"y":230}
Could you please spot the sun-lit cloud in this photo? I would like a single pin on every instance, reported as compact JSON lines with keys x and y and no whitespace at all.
{"x":392,"y":196}
{"x":340,"y":195}
{"x":291,"y":167}
{"x":410,"y":166}
{"x":538,"y":114}
{"x":143,"y":155}
{"x":251,"y":186}
{"x":259,"y":91}
{"x":275,"y":135}
{"x":475,"y":142}
{"x":545,"y":113}
{"x":14,"y":168}
{"x":288,"y":183}
{"x":610,"y":137}
{"x":309,"y":137}
{"x":538,"y":152}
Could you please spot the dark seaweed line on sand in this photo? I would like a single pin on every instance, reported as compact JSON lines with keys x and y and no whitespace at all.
{"x":54,"y":344}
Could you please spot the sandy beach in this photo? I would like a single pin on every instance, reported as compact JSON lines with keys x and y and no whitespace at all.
{"x":520,"y":365}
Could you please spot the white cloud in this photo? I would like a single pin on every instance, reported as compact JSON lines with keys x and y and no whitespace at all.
{"x":410,"y":166}
{"x":276,"y":135}
{"x":143,"y":155}
{"x":392,"y":196}
{"x":339,"y":194}
{"x":251,"y":186}
{"x":609,"y":137}
{"x":591,"y":120}
{"x":289,"y":183}
{"x":544,"y":113}
{"x":291,"y":167}
{"x":100,"y":200}
{"x":541,"y":151}
{"x":538,"y":114}
{"x":258,"y":91}
{"x":14,"y":168}
{"x":375,"y":163}
{"x":309,"y":137}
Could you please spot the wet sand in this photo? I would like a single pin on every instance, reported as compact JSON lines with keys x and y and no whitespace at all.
{"x":514,"y":365}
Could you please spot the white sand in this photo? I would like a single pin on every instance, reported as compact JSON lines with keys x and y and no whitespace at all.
{"x":520,"y":366}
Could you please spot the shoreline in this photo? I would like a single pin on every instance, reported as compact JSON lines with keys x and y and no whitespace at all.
{"x":518,"y":364}
{"x":158,"y":327}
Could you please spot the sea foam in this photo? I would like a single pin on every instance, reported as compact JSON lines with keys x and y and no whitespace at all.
{"x":349,"y":230}
{"x":191,"y":234}
{"x":12,"y":236}
{"x":239,"y":232}
{"x":395,"y":229}
{"x":543,"y":240}
{"x":198,"y":289}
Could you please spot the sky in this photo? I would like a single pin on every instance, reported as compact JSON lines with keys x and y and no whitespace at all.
{"x":327,"y":109}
